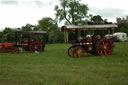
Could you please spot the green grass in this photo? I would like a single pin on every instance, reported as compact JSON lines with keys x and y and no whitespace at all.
{"x":55,"y":67}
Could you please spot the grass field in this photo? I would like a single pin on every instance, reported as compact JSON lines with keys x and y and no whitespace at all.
{"x":55,"y":67}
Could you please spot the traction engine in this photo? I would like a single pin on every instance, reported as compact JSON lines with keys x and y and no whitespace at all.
{"x":28,"y":43}
{"x":95,"y":44}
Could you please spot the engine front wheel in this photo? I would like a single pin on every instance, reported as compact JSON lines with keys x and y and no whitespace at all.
{"x":78,"y":52}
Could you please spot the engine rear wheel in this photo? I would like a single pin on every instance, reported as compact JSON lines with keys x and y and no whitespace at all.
{"x":78,"y":52}
{"x":104,"y":47}
{"x":35,"y":46}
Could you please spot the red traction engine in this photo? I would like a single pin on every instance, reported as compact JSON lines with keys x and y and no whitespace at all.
{"x":28,"y":41}
{"x":85,"y":40}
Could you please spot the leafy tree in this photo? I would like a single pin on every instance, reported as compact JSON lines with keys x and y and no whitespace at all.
{"x":106,"y":21}
{"x":122,"y":27}
{"x":56,"y":37}
{"x":50,"y":25}
{"x":47,"y":24}
{"x":1,"y":35}
{"x":8,"y":35}
{"x":72,"y":11}
{"x":97,"y":18}
{"x":27,"y":27}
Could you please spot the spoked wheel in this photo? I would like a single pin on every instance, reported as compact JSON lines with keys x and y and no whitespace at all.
{"x":70,"y":51}
{"x":78,"y":52}
{"x":104,"y":47}
{"x":35,"y":46}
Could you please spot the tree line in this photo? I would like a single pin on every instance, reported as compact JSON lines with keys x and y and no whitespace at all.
{"x":45,"y":24}
{"x":71,"y":12}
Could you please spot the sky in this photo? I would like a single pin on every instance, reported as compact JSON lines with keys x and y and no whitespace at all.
{"x":17,"y":13}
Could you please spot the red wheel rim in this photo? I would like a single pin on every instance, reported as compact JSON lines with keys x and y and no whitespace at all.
{"x":35,"y":46}
{"x":104,"y":47}
{"x":78,"y":52}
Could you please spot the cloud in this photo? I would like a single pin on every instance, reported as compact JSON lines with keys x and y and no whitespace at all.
{"x":109,"y":9}
{"x":23,"y":13}
{"x":38,"y":3}
{"x":108,"y":12}
{"x":9,"y":2}
{"x":28,"y":3}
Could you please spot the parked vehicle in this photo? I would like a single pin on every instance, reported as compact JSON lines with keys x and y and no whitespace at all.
{"x":95,"y":44}
{"x":29,"y":43}
{"x":121,"y":36}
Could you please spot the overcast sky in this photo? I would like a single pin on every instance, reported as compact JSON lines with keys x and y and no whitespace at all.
{"x":17,"y":13}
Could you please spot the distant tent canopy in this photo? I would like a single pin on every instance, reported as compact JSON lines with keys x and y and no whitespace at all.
{"x":88,"y":27}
